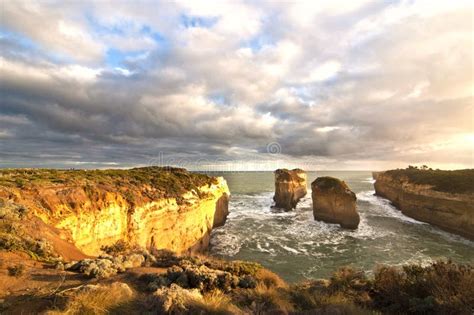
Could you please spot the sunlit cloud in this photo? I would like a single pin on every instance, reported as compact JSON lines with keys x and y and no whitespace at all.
{"x":361,"y":85}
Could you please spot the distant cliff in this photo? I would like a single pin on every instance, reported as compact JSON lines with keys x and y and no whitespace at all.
{"x":152,"y":207}
{"x":442,"y":198}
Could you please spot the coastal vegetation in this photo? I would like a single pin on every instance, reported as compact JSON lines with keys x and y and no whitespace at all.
{"x":169,"y":181}
{"x":174,"y":284}
{"x":456,"y":181}
{"x":16,"y":233}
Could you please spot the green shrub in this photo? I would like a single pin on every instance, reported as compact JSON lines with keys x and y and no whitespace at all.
{"x":457,"y":181}
{"x":117,"y":248}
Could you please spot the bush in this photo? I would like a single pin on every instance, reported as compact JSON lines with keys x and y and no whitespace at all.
{"x":458,"y":181}
{"x":16,"y":271}
{"x":442,"y":287}
{"x":117,"y":248}
{"x":269,"y":279}
{"x":264,"y":300}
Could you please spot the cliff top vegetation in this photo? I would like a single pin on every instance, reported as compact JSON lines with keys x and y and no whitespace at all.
{"x":174,"y":181}
{"x":202,"y":285}
{"x":457,"y":181}
{"x":327,"y":182}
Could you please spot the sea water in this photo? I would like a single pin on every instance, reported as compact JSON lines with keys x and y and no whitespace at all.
{"x":297,"y":247}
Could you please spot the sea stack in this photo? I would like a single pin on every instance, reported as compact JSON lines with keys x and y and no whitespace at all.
{"x":334,"y":202}
{"x":290,"y":187}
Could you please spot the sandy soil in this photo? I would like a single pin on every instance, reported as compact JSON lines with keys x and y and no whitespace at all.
{"x":37,"y":288}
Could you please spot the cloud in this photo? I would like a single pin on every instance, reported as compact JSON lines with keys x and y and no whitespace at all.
{"x":119,"y":83}
{"x":53,"y":26}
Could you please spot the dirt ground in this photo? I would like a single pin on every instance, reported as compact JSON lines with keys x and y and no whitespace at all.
{"x":37,"y":288}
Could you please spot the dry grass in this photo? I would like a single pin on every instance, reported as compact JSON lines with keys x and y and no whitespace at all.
{"x":100,"y":300}
{"x":216,"y":303}
{"x":270,"y":279}
{"x":442,"y":287}
{"x":264,"y":300}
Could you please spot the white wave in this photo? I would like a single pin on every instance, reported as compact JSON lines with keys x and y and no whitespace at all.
{"x":266,"y":248}
{"x":384,"y":207}
{"x":451,"y":237}
{"x":224,"y":243}
{"x":254,"y":229}
{"x":289,"y":249}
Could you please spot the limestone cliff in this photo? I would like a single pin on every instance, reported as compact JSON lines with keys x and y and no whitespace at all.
{"x":155,"y":208}
{"x":334,"y":202}
{"x":290,"y":187}
{"x":431,"y":197}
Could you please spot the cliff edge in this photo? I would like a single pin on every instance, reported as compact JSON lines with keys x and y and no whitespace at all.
{"x":442,"y":198}
{"x":151,"y":207}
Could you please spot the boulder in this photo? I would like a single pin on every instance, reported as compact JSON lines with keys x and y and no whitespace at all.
{"x":334,"y":202}
{"x":290,"y":187}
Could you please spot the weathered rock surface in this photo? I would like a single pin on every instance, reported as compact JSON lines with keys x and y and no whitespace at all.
{"x":290,"y":187}
{"x":375,"y":175}
{"x":334,"y":202}
{"x":153,"y":208}
{"x":452,"y":212}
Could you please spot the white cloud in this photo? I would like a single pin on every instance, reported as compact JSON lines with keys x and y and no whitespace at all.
{"x":418,"y":90}
{"x":325,"y":71}
{"x":327,"y":129}
{"x":53,"y":27}
{"x":298,"y":73}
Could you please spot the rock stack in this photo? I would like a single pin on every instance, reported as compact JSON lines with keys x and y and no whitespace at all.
{"x":334,"y":202}
{"x":290,"y":187}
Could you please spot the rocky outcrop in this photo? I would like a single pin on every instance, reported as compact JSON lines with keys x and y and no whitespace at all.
{"x":450,"y":211}
{"x":290,"y":187}
{"x":153,"y":208}
{"x":375,"y":175}
{"x":334,"y":202}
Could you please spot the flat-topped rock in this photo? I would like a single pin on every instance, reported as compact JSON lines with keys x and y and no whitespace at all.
{"x":442,"y":198}
{"x":334,"y":202}
{"x":290,"y":187}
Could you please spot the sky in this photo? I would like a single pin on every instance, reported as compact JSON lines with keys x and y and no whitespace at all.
{"x":237,"y":85}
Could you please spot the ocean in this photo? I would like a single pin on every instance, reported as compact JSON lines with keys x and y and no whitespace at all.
{"x":297,"y":247}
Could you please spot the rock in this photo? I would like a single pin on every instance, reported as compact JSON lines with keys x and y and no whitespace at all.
{"x":334,"y":202}
{"x":375,"y":175}
{"x":290,"y":187}
{"x":153,"y":208}
{"x":451,"y":211}
{"x":222,"y":210}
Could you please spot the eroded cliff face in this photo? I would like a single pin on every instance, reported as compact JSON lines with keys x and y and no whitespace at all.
{"x":453,"y":212}
{"x":290,"y":187}
{"x":145,"y":211}
{"x":334,"y":202}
